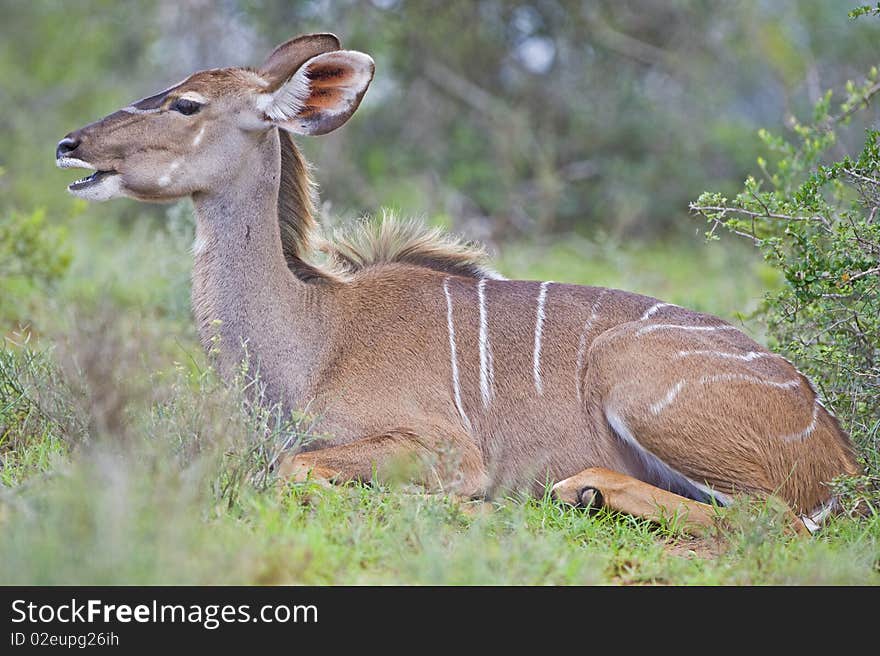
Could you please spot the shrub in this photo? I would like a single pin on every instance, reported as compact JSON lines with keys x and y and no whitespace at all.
{"x":39,"y":416}
{"x":33,"y":255}
{"x":817,"y":219}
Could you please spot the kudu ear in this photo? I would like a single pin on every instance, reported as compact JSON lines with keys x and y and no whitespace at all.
{"x":286,"y":59}
{"x":319,"y":93}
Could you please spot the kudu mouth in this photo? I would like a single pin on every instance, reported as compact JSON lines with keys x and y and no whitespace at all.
{"x":100,"y":185}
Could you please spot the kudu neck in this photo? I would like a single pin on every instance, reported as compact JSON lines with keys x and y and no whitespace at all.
{"x":243,"y":291}
{"x":240,"y":214}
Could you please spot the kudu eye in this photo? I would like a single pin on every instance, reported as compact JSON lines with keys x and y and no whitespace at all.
{"x":185,"y":106}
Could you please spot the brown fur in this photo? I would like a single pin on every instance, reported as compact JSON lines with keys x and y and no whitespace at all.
{"x":388,"y":346}
{"x":391,"y":241}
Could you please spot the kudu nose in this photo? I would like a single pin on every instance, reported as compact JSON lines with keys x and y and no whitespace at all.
{"x":66,"y":146}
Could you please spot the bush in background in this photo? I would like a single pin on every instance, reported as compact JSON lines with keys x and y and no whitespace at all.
{"x":34,"y":254}
{"x":815,"y":215}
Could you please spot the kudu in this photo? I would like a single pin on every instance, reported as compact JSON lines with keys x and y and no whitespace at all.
{"x":405,"y":346}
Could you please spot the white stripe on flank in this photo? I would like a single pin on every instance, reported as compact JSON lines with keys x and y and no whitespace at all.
{"x":748,"y":357}
{"x":721,"y":378}
{"x":539,"y":329}
{"x":665,"y":326}
{"x":487,"y":374}
{"x":582,"y":343}
{"x":456,"y":389}
{"x":804,"y":434}
{"x":658,"y":407}
{"x":654,"y":308}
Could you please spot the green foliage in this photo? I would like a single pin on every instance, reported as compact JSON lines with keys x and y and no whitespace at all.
{"x":30,"y":247}
{"x":38,"y":418}
{"x":627,"y":108}
{"x":34,"y":254}
{"x":817,"y":222}
{"x":865,"y":10}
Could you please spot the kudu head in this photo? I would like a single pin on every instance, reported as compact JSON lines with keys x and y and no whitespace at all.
{"x":195,"y":135}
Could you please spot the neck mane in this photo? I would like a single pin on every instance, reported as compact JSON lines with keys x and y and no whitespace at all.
{"x":369,"y":243}
{"x":296,"y":214}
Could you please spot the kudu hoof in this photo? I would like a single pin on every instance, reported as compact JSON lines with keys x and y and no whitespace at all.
{"x":572,"y":493}
{"x":590,"y":498}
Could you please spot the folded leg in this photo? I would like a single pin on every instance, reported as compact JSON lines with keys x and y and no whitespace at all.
{"x":598,"y":486}
{"x":439,"y":464}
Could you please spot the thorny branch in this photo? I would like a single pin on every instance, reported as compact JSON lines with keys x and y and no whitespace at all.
{"x":702,"y":209}
{"x":864,"y":101}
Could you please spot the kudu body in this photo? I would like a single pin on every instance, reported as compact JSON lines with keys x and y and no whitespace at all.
{"x":409,"y":348}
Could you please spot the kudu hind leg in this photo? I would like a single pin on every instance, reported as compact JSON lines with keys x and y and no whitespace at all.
{"x":598,"y":486}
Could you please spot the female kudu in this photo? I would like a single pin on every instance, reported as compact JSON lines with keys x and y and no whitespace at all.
{"x":405,"y":345}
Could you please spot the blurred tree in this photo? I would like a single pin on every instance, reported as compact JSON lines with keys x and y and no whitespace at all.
{"x":507,"y":117}
{"x":61,"y":66}
{"x":527,"y":117}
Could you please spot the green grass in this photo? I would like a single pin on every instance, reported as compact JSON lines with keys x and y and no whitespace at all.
{"x":107,"y":521}
{"x":124,"y":461}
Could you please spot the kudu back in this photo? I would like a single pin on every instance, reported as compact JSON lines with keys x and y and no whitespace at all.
{"x":404,"y":345}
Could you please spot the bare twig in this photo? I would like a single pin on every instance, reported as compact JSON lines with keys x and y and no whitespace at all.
{"x":815,"y":338}
{"x":862,"y":274}
{"x":863,"y":178}
{"x":754,"y":238}
{"x":702,"y":209}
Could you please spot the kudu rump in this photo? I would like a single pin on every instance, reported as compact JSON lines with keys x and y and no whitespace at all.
{"x":405,"y":346}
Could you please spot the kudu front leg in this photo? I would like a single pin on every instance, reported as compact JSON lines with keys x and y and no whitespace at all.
{"x":439,"y":465}
{"x":597,"y":487}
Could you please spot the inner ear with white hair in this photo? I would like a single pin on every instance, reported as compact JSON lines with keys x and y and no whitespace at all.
{"x":318,"y":95}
